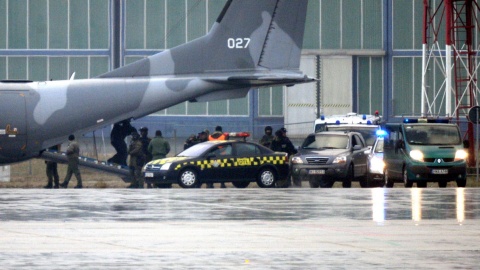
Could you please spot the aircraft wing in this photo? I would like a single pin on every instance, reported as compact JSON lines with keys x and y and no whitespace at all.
{"x":263,"y":80}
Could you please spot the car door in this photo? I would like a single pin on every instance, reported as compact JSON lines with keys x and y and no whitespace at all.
{"x":359,"y":156}
{"x":393,"y":153}
{"x":247,"y":161}
{"x":220,"y":160}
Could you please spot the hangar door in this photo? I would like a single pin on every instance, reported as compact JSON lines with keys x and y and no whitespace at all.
{"x":333,"y":93}
{"x":336,"y":81}
{"x":301,"y":101}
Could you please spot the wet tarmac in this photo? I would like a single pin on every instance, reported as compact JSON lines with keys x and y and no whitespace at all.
{"x":240,"y":229}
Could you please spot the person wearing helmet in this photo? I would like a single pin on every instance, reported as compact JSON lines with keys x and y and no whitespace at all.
{"x":137,"y":159}
{"x":267,"y":138}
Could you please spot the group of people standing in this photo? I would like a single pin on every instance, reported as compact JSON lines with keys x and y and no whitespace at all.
{"x":279,"y":143}
{"x":142,"y":150}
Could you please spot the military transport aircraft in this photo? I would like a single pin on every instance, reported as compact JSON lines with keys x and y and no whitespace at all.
{"x":252,"y":44}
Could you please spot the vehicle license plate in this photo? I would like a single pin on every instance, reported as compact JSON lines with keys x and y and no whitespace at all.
{"x":316,"y":172}
{"x":149,"y":174}
{"x":440,"y":171}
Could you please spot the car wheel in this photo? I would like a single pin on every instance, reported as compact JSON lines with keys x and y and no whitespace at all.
{"x":347,"y":182}
{"x":240,"y":184}
{"x":442,"y":184}
{"x":462,"y":182}
{"x":266,"y":178}
{"x":388,"y":182}
{"x":365,"y":181}
{"x":407,"y":182}
{"x":188,"y":178}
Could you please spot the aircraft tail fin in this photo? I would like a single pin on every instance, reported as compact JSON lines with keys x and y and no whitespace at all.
{"x":248,"y":35}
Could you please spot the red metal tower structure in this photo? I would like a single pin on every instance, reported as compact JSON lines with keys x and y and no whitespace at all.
{"x":455,"y":23}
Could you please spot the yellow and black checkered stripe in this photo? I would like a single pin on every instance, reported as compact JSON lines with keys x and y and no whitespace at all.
{"x":233,"y":162}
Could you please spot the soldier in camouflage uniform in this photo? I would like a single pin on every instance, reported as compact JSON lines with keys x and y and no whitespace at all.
{"x":73,"y":152}
{"x":137,"y":159}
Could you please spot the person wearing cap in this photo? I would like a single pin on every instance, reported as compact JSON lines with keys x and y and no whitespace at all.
{"x":267,"y":138}
{"x":203,"y":136}
{"x":281,"y":143}
{"x":159,"y":147}
{"x":73,"y":152}
{"x":137,"y":159}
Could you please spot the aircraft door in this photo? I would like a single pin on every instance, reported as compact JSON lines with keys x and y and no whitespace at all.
{"x":13,"y":126}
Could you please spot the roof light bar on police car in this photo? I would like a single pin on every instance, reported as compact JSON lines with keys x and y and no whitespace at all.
{"x":414,"y":120}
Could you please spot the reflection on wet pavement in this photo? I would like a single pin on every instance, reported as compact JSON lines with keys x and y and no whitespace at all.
{"x":232,"y":228}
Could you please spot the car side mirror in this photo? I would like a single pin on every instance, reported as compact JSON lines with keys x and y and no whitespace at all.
{"x":466,"y":144}
{"x":357,"y":147}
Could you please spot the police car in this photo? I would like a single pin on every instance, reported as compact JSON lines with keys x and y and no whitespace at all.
{"x":238,"y":162}
{"x":376,"y":165}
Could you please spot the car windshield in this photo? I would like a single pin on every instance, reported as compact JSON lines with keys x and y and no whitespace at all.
{"x":195,"y":151}
{"x":432,"y":134}
{"x":326,"y":141}
{"x":368,"y":132}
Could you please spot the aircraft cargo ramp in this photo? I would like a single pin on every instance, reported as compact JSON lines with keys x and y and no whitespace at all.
{"x":91,"y":163}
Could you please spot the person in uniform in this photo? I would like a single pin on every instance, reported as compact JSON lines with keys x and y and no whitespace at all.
{"x":159,"y":147}
{"x":73,"y":152}
{"x":203,"y":136}
{"x":218,"y":135}
{"x":281,"y":143}
{"x":191,"y":141}
{"x":268,"y":137}
{"x":137,"y":158}
{"x":145,"y":142}
{"x":52,"y":171}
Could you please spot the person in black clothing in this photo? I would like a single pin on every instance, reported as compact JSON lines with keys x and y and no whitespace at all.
{"x":191,"y":141}
{"x":145,"y":142}
{"x":119,"y":132}
{"x":281,"y":143}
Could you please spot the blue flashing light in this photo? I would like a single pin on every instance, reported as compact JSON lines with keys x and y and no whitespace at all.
{"x":364,"y":117}
{"x":369,"y":122}
{"x":337,"y":122}
{"x":381,"y":133}
{"x":322,"y":117}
